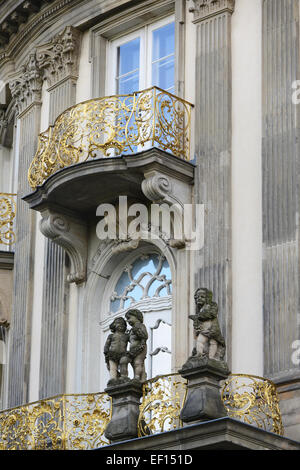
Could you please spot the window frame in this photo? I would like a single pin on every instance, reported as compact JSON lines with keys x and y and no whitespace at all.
{"x":145,"y":34}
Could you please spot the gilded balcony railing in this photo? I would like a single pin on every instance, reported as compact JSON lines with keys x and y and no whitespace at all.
{"x":63,"y":422}
{"x":253,"y":400}
{"x":7,"y":218}
{"x":79,"y":421}
{"x":111,"y":126}
{"x":163,"y":398}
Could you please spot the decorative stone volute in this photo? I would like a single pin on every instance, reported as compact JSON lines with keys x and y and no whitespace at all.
{"x":71,"y":234}
{"x":204,"y":9}
{"x":59,"y":58}
{"x":26,"y":84}
{"x":157,"y":187}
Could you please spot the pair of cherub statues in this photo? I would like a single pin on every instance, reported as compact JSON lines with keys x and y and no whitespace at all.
{"x":117,"y":353}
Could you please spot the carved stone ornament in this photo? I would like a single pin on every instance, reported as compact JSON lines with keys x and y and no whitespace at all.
{"x":26,"y":84}
{"x":157,"y":187}
{"x":160,"y":189}
{"x":123,"y":246}
{"x":204,"y":9}
{"x":59,"y":58}
{"x":70,"y":234}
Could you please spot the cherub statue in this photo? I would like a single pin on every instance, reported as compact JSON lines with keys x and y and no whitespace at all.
{"x":138,"y":343}
{"x":208,"y":338}
{"x":115,"y":349}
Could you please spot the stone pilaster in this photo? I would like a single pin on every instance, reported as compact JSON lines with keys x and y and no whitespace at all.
{"x":213,"y":150}
{"x":58,"y":61}
{"x":280,"y":158}
{"x":26,"y":87}
{"x":280,"y":180}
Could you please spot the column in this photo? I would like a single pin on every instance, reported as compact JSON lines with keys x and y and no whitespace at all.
{"x":59,"y":62}
{"x":213,"y":150}
{"x":26,"y":86}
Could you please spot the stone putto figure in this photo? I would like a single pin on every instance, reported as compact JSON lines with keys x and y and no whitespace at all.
{"x":208,"y":339}
{"x":138,"y":343}
{"x":116,"y":352}
{"x":115,"y":349}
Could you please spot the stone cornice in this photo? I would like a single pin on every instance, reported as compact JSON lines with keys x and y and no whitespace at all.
{"x":26,"y":84}
{"x":13,"y":17}
{"x":39,"y":21}
{"x":204,"y":9}
{"x":59,"y":58}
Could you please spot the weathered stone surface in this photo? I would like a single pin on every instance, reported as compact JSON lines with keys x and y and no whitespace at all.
{"x":125,"y":409}
{"x":203,"y":401}
{"x":220,"y":434}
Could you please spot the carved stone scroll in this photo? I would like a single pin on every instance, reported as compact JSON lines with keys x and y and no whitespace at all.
{"x":71,"y":234}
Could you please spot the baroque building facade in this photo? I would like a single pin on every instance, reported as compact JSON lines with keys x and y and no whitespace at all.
{"x":227,"y":70}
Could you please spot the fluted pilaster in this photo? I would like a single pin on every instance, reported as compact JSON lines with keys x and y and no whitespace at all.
{"x":213,"y":149}
{"x":26,"y":86}
{"x":280,"y":186}
{"x":59,"y":62}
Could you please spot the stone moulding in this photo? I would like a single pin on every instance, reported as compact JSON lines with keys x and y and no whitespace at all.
{"x":40,"y":21}
{"x":71,"y":234}
{"x":204,"y":9}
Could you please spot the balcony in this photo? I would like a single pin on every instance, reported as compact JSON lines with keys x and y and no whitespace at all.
{"x":111,"y":126}
{"x":136,"y":146}
{"x":79,"y":421}
{"x":58,"y":423}
{"x":7,"y":220}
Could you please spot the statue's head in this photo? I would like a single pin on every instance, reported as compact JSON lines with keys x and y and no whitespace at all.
{"x":134,"y":315}
{"x":119,"y":324}
{"x":203,"y":296}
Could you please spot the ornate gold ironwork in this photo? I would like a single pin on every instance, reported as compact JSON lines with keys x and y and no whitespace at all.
{"x":163,"y":398}
{"x":7,"y":216}
{"x":253,"y":400}
{"x":62,"y":422}
{"x":112,"y":125}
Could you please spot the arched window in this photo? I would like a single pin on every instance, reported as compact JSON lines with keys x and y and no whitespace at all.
{"x":146,"y":284}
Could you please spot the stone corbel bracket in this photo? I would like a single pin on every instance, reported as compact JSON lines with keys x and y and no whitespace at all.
{"x":204,"y":9}
{"x":163,"y":189}
{"x":71,"y":234}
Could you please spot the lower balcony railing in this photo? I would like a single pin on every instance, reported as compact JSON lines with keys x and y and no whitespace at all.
{"x":79,"y":421}
{"x":7,"y":219}
{"x":110,"y":126}
{"x":58,"y":423}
